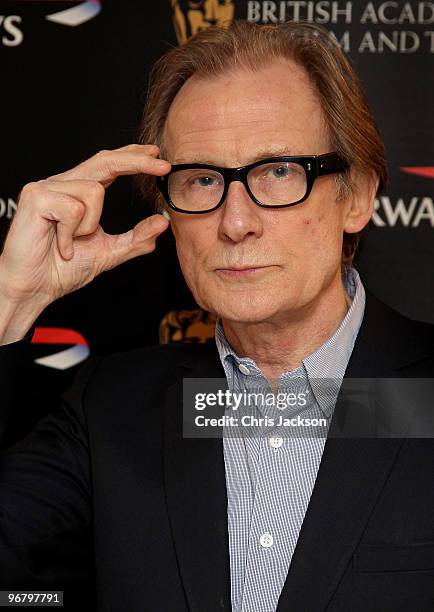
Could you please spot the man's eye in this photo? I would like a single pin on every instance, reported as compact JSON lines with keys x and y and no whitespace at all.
{"x":279,"y":172}
{"x":205,"y":181}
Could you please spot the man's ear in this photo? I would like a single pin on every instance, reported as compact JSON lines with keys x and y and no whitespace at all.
{"x":360,"y":204}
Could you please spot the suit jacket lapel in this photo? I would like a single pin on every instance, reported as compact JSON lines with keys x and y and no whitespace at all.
{"x":351,"y":474}
{"x":350,"y":478}
{"x":196,"y":498}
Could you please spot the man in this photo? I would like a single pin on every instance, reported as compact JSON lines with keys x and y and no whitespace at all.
{"x":270,"y":166}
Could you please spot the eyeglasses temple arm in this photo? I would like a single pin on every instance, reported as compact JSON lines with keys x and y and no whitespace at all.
{"x":329,"y":163}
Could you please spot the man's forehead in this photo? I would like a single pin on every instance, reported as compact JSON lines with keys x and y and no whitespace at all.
{"x":260,"y":152}
{"x":250,"y":114}
{"x":242,"y":91}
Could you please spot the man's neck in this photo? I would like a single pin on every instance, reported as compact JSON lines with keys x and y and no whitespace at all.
{"x":279,"y":346}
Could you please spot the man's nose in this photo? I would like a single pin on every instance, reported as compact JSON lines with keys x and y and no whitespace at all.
{"x":241,"y":217}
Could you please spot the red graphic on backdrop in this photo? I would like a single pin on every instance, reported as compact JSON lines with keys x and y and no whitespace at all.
{"x":67,"y":358}
{"x":425,"y":171}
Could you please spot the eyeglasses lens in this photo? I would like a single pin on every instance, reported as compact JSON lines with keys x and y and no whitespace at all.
{"x":273,"y":184}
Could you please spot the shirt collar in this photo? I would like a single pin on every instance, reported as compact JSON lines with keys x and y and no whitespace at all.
{"x":325,"y":368}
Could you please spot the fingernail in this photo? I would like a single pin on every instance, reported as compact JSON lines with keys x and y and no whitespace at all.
{"x":161,"y":163}
{"x":68,"y":253}
{"x":156,"y":227}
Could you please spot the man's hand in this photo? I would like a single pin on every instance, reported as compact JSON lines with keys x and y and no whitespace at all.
{"x":55,"y":244}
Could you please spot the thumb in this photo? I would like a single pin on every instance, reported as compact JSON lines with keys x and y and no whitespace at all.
{"x":140,"y":240}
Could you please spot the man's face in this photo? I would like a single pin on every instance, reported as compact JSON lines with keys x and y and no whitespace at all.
{"x":293,"y":253}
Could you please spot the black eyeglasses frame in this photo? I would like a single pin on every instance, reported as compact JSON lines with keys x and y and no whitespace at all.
{"x":314,"y":167}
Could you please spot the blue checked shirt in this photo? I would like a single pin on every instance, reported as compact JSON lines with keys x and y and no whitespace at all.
{"x":271,"y":469}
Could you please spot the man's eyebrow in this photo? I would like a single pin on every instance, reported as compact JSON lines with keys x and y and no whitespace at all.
{"x":271,"y":152}
{"x":262,"y":154}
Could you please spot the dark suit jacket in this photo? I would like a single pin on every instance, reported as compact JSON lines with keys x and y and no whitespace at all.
{"x":109,"y":482}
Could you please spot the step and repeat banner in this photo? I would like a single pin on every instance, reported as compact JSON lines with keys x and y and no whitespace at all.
{"x":73,"y":82}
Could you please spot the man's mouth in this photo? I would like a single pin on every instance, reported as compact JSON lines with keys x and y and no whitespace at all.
{"x":242,"y":271}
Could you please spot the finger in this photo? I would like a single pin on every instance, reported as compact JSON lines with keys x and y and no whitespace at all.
{"x":66,"y":227}
{"x":67,"y":212}
{"x":106,"y":166}
{"x":138,"y":241}
{"x":40,"y":209}
{"x":90,"y":193}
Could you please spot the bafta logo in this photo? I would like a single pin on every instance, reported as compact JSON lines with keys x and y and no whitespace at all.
{"x":187,"y":326}
{"x":190,"y":17}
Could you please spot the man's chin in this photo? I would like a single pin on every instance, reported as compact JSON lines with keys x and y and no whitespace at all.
{"x":245,"y":312}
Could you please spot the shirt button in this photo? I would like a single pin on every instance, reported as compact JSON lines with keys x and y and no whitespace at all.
{"x":244,"y":369}
{"x":266,"y":540}
{"x":276,"y":442}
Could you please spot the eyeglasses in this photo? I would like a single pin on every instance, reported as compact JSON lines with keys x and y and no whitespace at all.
{"x":274,"y":182}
